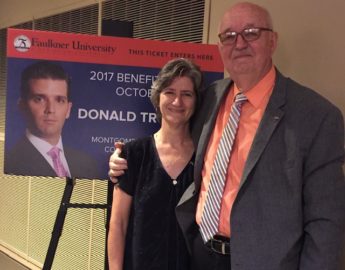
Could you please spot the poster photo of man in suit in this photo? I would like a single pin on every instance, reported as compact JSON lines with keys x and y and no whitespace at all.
{"x":45,"y":104}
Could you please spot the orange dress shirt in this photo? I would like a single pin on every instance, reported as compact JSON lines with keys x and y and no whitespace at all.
{"x":251,"y":114}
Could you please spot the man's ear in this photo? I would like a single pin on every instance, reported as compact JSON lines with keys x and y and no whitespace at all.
{"x":69,"y":110}
{"x":274,"y":41}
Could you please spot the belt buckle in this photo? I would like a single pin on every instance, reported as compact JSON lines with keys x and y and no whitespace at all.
{"x":222,"y":245}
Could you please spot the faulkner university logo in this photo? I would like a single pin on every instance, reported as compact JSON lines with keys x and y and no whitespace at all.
{"x":22,"y":43}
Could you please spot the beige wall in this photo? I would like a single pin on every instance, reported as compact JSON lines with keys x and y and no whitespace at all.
{"x":311,"y":42}
{"x":13,"y":12}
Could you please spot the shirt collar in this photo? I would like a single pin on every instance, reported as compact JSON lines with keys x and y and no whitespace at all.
{"x":42,"y":145}
{"x":256,"y":94}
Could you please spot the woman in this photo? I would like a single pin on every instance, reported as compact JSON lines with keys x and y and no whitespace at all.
{"x":143,"y":232}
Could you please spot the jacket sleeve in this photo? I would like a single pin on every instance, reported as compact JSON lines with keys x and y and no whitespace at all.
{"x":324,"y":197}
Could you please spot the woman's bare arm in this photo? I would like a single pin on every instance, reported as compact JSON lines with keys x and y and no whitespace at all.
{"x":120,"y":210}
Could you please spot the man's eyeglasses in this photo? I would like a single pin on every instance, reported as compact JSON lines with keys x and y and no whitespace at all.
{"x":248,"y":34}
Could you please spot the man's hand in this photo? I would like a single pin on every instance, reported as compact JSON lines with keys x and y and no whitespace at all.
{"x":117,"y":165}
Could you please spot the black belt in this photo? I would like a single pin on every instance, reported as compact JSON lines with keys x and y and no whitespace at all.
{"x":219,"y":244}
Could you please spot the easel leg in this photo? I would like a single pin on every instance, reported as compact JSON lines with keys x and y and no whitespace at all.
{"x":59,"y":222}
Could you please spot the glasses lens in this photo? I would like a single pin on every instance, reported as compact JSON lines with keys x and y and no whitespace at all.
{"x":228,"y":37}
{"x":251,"y":34}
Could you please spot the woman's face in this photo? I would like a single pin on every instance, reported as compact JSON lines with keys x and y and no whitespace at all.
{"x":177,"y":101}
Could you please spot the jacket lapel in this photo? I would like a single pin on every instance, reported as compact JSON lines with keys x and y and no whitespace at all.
{"x":270,"y":120}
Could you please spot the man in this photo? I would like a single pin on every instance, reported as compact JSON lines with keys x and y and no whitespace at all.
{"x":282,"y":204}
{"x":45,"y":104}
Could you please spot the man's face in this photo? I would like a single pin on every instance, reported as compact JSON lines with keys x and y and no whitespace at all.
{"x":253,"y":58}
{"x":46,"y":108}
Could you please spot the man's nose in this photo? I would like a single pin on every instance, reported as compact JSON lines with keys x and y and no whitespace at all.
{"x":240,"y":42}
{"x":50,"y":107}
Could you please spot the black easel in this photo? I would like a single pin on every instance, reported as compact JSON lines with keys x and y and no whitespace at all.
{"x":60,"y":219}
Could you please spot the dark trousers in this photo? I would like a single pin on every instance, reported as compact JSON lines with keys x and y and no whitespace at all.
{"x":204,"y":258}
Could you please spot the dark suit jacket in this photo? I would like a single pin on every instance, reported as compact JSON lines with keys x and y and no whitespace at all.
{"x":25,"y":159}
{"x":290,"y":210}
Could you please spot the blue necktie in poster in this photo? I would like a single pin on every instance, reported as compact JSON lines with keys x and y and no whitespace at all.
{"x":80,"y":94}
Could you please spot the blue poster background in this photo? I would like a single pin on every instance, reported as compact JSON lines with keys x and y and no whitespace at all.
{"x":108,"y":105}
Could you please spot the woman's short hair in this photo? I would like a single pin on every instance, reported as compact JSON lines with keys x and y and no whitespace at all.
{"x":179,"y":67}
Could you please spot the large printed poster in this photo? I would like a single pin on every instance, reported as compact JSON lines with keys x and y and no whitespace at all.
{"x":95,"y":91}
